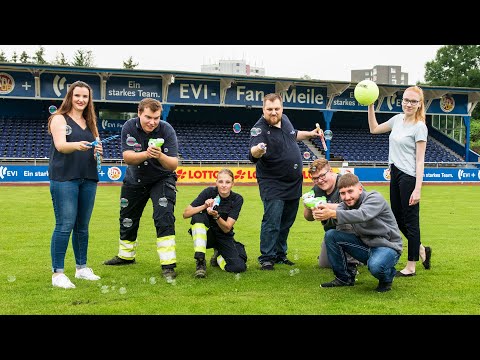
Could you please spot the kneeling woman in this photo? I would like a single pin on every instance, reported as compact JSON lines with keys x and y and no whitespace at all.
{"x":212,"y":226}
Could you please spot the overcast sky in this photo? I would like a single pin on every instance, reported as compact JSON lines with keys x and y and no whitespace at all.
{"x":321,"y":62}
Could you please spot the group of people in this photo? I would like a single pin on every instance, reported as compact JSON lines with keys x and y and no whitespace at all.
{"x":150,"y":175}
{"x":360,"y":227}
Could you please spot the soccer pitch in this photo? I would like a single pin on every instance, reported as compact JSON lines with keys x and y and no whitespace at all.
{"x":449,"y":224}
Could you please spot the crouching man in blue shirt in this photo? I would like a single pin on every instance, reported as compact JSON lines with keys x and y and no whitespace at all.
{"x":375,"y":241}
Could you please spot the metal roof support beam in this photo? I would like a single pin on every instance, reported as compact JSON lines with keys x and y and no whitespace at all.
{"x":104,"y":77}
{"x":335,"y":89}
{"x":225,"y":84}
{"x":167,"y":79}
{"x":473,"y":99}
{"x":36,"y":74}
{"x":471,"y":106}
{"x":384,"y":92}
{"x":431,"y":95}
{"x":282,"y":86}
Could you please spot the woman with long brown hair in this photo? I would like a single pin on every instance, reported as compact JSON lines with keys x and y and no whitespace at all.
{"x":73,"y":180}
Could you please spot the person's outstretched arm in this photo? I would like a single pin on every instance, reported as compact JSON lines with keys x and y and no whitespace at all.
{"x":373,"y":124}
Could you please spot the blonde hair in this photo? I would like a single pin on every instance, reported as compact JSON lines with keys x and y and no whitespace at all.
{"x":318,"y":164}
{"x":228,"y":172}
{"x":420,"y":113}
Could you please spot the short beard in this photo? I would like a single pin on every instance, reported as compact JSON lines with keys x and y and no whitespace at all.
{"x":271,"y":122}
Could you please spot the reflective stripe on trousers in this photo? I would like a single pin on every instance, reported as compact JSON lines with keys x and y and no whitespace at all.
{"x":127,"y":249}
{"x":166,"y":250}
{"x":199,"y":236}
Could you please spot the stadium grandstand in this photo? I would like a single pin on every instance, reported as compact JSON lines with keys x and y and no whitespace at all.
{"x":213,"y":114}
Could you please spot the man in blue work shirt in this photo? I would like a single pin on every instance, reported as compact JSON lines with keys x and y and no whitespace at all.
{"x":279,"y":165}
{"x":150,"y":175}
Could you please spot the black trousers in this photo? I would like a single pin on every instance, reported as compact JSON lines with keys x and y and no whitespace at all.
{"x":408,"y":217}
{"x":133,"y":200}
{"x":231,"y":250}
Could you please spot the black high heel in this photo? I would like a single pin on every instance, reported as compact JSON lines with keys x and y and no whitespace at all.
{"x":428,"y":255}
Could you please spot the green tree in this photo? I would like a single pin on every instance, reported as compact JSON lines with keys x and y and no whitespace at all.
{"x":14,"y":57}
{"x":39,"y":56}
{"x":3,"y":58}
{"x":475,"y":135}
{"x":60,"y":60}
{"x":455,"y":65}
{"x":129,"y":64}
{"x":24,"y":58}
{"x":83,"y":57}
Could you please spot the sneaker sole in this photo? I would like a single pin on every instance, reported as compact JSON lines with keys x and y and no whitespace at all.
{"x":65,"y":287}
{"x":120,"y":263}
{"x":84,"y":278}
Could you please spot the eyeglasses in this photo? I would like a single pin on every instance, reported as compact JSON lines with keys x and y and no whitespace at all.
{"x":320,"y":176}
{"x":413,"y":102}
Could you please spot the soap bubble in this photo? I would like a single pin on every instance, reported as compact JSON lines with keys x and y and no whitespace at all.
{"x":328,"y":134}
{"x":127,"y":222}
{"x":237,"y":128}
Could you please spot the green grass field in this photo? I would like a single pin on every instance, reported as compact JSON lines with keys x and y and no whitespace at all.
{"x":449,"y":224}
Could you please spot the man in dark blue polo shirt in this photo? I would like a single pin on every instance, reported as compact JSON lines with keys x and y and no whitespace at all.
{"x":150,"y":175}
{"x":279,"y":165}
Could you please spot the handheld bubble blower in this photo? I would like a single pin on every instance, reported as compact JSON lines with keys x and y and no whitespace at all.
{"x":216,"y":202}
{"x":309,"y":194}
{"x":322,"y":138}
{"x":98,"y":156}
{"x":313,"y":202}
{"x":156,"y":142}
{"x":97,"y":140}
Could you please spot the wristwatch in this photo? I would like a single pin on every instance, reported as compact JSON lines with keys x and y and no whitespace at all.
{"x":216,"y":218}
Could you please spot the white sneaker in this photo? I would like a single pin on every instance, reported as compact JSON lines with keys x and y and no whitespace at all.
{"x":62,"y":281}
{"x":86,"y":274}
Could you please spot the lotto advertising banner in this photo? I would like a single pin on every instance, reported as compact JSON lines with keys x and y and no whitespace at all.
{"x":197,"y":174}
{"x":243,"y":175}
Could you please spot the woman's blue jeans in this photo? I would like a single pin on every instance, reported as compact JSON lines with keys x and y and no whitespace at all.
{"x":380,"y":261}
{"x":73,"y":205}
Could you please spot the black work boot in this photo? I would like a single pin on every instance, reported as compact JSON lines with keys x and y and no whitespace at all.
{"x":201,"y":270}
{"x":169,"y":274}
{"x":118,"y":261}
{"x":213,"y":259}
{"x":384,"y":286}
{"x":335,"y":283}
